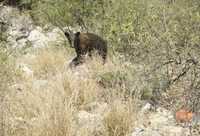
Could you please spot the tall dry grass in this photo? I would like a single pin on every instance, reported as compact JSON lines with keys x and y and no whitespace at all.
{"x":47,"y":103}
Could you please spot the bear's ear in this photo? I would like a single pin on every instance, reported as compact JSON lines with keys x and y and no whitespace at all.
{"x":78,"y":33}
{"x":69,"y":39}
{"x":67,"y":34}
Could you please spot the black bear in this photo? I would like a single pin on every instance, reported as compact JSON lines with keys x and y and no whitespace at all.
{"x":86,"y":43}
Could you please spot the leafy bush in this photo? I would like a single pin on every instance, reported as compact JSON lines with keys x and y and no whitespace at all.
{"x":112,"y":79}
{"x":140,"y":30}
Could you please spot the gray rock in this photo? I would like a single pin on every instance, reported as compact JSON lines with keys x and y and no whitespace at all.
{"x":40,"y":39}
{"x":18,"y":24}
{"x":159,"y":123}
{"x":21,"y":29}
{"x":146,"y":108}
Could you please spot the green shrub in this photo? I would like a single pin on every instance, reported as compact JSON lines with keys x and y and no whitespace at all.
{"x":112,"y":79}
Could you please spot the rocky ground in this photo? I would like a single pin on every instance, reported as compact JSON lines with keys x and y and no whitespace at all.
{"x":24,"y":34}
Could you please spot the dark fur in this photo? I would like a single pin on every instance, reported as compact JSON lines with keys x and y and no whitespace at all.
{"x":86,"y":43}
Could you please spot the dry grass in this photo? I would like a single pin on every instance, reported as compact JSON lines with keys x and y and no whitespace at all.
{"x":37,"y":108}
{"x":47,"y":103}
{"x":47,"y":62}
{"x":119,"y":121}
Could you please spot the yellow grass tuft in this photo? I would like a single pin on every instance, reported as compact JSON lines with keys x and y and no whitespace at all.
{"x":119,"y":121}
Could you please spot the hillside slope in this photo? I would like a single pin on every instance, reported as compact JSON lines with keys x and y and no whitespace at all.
{"x":47,"y":98}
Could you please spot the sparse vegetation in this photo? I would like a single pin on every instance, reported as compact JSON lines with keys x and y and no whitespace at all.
{"x":154,"y":56}
{"x":119,"y":121}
